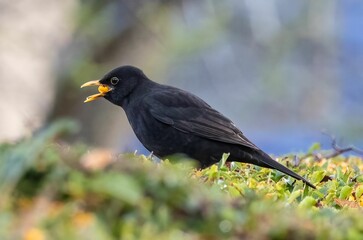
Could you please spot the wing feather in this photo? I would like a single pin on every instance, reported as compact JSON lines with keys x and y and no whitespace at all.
{"x":192,"y":115}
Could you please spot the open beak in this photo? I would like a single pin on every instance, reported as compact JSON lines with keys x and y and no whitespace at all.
{"x":102,"y":89}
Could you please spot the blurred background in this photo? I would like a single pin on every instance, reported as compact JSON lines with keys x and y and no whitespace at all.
{"x":283,"y":71}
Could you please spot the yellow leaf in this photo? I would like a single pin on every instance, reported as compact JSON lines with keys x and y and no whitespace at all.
{"x":34,"y":234}
{"x":83,"y":219}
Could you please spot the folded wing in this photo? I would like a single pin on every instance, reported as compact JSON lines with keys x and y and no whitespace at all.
{"x":196,"y":117}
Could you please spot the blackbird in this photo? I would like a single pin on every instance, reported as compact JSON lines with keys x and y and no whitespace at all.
{"x":168,"y":121}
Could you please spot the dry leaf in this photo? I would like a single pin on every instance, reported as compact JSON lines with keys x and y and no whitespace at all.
{"x":344,"y":203}
{"x":97,"y":159}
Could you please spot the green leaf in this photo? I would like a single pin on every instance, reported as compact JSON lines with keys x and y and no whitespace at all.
{"x":294,"y":195}
{"x":117,"y":185}
{"x":360,"y":178}
{"x":345,"y":192}
{"x":359,"y":191}
{"x":315,"y":147}
{"x":222,"y":162}
{"x":317,"y":176}
{"x":307,"y":202}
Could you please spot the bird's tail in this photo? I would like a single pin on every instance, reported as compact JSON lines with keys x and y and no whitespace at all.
{"x":265,"y":160}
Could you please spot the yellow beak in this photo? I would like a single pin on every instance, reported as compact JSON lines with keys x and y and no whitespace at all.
{"x":102,"y":88}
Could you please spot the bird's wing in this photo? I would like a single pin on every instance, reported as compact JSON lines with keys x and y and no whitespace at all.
{"x":190,"y":114}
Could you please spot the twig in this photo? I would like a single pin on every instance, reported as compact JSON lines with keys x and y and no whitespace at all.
{"x":337,"y":150}
{"x":340,"y":150}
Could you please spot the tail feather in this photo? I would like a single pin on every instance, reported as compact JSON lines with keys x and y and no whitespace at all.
{"x":265,"y":160}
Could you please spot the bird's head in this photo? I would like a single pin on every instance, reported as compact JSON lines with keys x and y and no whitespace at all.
{"x":116,"y":85}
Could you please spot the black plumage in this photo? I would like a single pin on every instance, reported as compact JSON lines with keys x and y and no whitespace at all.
{"x":168,"y":120}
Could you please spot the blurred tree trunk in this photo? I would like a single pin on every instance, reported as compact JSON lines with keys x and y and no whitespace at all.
{"x":32,"y":33}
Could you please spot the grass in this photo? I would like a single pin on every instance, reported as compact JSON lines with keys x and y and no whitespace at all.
{"x":55,"y":190}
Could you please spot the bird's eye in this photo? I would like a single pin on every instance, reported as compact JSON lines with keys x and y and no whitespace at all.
{"x":114,"y":80}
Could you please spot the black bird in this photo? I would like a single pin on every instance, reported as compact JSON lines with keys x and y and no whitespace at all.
{"x":168,"y":121}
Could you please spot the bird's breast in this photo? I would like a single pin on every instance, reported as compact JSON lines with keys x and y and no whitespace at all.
{"x":156,"y":136}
